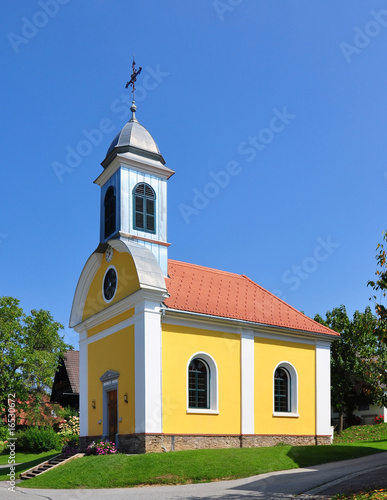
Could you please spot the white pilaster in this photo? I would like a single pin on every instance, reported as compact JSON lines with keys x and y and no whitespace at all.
{"x":83,"y":386}
{"x":147,"y":347}
{"x":247,"y":383}
{"x":323,"y":389}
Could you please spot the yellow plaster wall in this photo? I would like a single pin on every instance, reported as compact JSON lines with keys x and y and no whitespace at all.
{"x":111,"y":322}
{"x":115,"y":352}
{"x":178,"y":345}
{"x":128,"y":283}
{"x":268,"y":353}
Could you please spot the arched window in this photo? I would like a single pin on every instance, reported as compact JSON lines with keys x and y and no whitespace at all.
{"x":198,"y":378}
{"x":285,"y":390}
{"x":281,"y":390}
{"x":144,"y":203}
{"x":110,"y":211}
{"x":202,"y":384}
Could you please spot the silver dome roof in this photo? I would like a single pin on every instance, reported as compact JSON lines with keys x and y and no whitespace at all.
{"x":133,"y":138}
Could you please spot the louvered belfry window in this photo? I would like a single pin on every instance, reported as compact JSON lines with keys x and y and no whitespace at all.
{"x":110,"y":211}
{"x":144,"y":199}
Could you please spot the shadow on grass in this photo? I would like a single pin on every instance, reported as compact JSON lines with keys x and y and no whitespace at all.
{"x":305,"y":456}
{"x":26,"y":465}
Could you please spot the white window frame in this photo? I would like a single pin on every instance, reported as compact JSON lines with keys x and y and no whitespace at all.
{"x":292,"y":388}
{"x":212,"y":382}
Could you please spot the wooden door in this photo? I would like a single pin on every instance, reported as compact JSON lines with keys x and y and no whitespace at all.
{"x":112,"y":409}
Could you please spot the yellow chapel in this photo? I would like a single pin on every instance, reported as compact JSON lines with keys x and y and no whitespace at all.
{"x":178,"y":356}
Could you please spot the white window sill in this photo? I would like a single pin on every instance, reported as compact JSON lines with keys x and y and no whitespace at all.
{"x":203,"y":411}
{"x":286,"y":414}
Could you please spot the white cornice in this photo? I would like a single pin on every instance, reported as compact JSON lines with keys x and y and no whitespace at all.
{"x":130,"y":160}
{"x":229,"y":325}
{"x":129,"y":302}
{"x":109,"y":331}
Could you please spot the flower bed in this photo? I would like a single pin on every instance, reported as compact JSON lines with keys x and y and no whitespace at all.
{"x":101,"y":448}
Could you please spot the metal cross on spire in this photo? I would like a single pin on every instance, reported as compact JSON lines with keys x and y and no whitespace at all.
{"x":134,"y":76}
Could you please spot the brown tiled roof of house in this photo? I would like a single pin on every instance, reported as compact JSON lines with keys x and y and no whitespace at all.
{"x":208,"y":291}
{"x":71,"y":361}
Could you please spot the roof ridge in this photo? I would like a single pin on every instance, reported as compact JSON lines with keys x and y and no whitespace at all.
{"x":189,"y":264}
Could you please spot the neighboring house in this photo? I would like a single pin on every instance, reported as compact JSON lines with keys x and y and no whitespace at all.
{"x":179,"y":356}
{"x":366,"y":414}
{"x":65,"y":389}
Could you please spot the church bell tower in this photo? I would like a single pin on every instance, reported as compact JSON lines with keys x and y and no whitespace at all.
{"x":134,"y":189}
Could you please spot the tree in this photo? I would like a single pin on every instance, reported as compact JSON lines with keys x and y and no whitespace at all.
{"x":380,"y":285}
{"x":358,"y":361}
{"x":31,"y":349}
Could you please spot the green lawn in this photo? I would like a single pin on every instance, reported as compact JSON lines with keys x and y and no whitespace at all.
{"x":362,"y":433}
{"x":181,"y":467}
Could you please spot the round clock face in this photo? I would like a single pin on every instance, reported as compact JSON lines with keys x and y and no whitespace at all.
{"x":110,"y":284}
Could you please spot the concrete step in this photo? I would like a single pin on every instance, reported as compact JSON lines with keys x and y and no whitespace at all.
{"x":47,"y":465}
{"x":27,"y":476}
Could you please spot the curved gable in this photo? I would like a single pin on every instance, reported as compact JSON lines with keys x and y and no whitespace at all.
{"x":127,"y":283}
{"x":136,"y":268}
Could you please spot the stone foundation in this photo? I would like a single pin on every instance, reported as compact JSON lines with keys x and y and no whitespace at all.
{"x":324,"y":440}
{"x":148,"y":443}
{"x":256,"y":441}
{"x":197,"y":442}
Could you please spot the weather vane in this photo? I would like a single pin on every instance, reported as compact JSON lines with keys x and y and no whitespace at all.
{"x":134,"y":76}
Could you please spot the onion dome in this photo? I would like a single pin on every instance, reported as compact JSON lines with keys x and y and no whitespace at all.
{"x":133,"y":138}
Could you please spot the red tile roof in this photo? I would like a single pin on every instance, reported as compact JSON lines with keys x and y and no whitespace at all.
{"x":218,"y":293}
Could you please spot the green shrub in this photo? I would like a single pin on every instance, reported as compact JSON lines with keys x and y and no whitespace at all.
{"x":37,"y":439}
{"x":4,"y":432}
{"x":68,"y":412}
{"x":3,"y":446}
{"x":69,"y":431}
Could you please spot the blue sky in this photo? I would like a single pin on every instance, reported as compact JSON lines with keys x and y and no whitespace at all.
{"x":273,"y":115}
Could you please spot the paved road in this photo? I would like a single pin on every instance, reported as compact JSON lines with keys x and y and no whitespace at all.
{"x":320,"y":482}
